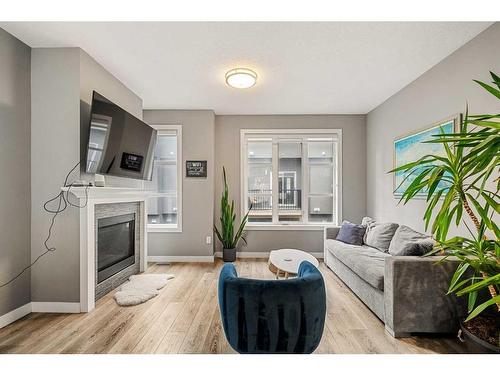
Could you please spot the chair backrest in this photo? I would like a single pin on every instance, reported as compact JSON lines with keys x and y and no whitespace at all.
{"x":273,"y":316}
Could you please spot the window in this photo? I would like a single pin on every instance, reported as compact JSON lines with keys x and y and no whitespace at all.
{"x":298,"y":169}
{"x":165,"y":205}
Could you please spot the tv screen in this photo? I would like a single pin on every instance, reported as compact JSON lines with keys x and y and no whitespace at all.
{"x":119,"y":143}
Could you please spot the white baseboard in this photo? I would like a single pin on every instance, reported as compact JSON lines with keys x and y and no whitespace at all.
{"x":55,"y":307}
{"x":39,"y":307}
{"x":261,"y":255}
{"x":180,"y":258}
{"x":14,"y":315}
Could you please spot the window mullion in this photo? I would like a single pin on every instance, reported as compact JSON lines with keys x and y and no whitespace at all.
{"x":244,"y":182}
{"x":335,"y":217}
{"x":305,"y":182}
{"x":275,"y":182}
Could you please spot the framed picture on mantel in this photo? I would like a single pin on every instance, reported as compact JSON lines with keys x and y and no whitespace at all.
{"x":411,"y":147}
{"x":196,"y":168}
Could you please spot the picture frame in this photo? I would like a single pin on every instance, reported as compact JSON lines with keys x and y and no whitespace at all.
{"x":196,"y":168}
{"x":410,"y":147}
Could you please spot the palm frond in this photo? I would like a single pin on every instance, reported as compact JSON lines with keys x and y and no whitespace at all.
{"x":457,"y":184}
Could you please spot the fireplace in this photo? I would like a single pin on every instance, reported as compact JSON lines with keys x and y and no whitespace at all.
{"x":102,"y":203}
{"x":115,"y":245}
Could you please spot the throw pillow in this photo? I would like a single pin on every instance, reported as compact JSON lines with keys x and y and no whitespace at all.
{"x":366,"y":221}
{"x":379,"y":235}
{"x":406,"y":241}
{"x":351,"y":233}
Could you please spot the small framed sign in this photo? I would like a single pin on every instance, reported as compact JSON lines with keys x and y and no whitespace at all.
{"x":196,"y":168}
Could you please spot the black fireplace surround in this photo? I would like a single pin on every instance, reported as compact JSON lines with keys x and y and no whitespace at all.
{"x":115,"y":245}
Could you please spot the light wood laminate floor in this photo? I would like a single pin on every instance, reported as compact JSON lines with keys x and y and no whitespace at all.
{"x":184,"y":318}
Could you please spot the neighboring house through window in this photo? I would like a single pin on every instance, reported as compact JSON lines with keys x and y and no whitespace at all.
{"x":303,"y":165}
{"x":165,"y":205}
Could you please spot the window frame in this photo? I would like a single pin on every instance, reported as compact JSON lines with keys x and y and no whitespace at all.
{"x":291,"y":134}
{"x":171,"y":228}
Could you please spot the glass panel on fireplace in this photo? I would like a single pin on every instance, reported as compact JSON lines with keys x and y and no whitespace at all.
{"x":115,"y":245}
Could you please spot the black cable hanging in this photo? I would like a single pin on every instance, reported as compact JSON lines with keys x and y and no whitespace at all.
{"x":62,"y":204}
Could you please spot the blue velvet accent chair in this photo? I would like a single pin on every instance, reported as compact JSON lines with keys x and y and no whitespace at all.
{"x":273,"y":316}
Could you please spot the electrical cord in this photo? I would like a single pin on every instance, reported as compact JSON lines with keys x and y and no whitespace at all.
{"x":63,"y":202}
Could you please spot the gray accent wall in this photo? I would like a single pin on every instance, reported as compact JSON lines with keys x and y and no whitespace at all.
{"x":227,"y":154}
{"x":94,"y":77}
{"x":15,"y":60}
{"x":197,"y":193}
{"x":62,"y":84}
{"x":55,"y":136}
{"x":437,"y":94}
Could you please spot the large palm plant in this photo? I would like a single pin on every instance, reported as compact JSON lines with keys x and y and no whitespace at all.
{"x":465,"y":179}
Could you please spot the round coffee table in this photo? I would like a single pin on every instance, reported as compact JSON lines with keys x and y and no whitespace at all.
{"x":287,"y":261}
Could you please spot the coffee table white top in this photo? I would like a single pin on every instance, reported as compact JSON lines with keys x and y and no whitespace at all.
{"x":288,"y":260}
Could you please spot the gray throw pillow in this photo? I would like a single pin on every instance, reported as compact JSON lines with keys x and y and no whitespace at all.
{"x":379,"y":235}
{"x":351,"y":233}
{"x":406,"y":241}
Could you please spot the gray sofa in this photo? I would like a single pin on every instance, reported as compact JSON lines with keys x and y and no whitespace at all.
{"x":408,"y":293}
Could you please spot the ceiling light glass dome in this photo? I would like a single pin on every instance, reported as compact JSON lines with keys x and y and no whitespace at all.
{"x":241,"y":78}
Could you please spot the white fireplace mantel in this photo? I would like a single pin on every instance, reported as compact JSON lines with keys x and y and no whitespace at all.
{"x":89,"y":197}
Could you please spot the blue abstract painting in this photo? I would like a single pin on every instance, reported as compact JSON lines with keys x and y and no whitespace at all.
{"x":412,"y":148}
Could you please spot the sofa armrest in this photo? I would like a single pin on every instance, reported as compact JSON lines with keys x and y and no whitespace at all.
{"x":415,"y":295}
{"x":330,"y":233}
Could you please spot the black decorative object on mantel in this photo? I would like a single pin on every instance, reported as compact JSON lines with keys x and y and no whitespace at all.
{"x":196,"y":168}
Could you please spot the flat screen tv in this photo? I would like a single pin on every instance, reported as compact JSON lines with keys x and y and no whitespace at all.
{"x":119,"y":143}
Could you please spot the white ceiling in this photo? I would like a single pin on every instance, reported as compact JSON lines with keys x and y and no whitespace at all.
{"x":305,"y":67}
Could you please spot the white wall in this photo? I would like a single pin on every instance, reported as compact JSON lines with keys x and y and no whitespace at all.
{"x":439,"y":93}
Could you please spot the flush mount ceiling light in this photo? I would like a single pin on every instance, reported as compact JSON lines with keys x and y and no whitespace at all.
{"x":241,"y":78}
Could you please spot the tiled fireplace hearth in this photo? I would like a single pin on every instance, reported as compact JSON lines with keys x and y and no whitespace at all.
{"x":113,"y":239}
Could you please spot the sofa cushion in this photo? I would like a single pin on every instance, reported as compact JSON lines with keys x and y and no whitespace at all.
{"x":379,"y":235}
{"x":351,"y":233}
{"x":367,"y":262}
{"x":406,"y":241}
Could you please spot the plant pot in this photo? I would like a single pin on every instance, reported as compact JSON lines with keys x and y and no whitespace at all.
{"x":229,"y":255}
{"x":476,"y":340}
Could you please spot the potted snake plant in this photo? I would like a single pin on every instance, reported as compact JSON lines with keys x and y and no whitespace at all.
{"x":227,"y":235}
{"x":465,"y":183}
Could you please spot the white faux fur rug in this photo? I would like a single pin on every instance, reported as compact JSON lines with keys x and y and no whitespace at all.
{"x":141,"y":288}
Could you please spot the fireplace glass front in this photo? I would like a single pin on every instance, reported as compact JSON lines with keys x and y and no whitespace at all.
{"x":115,"y":245}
